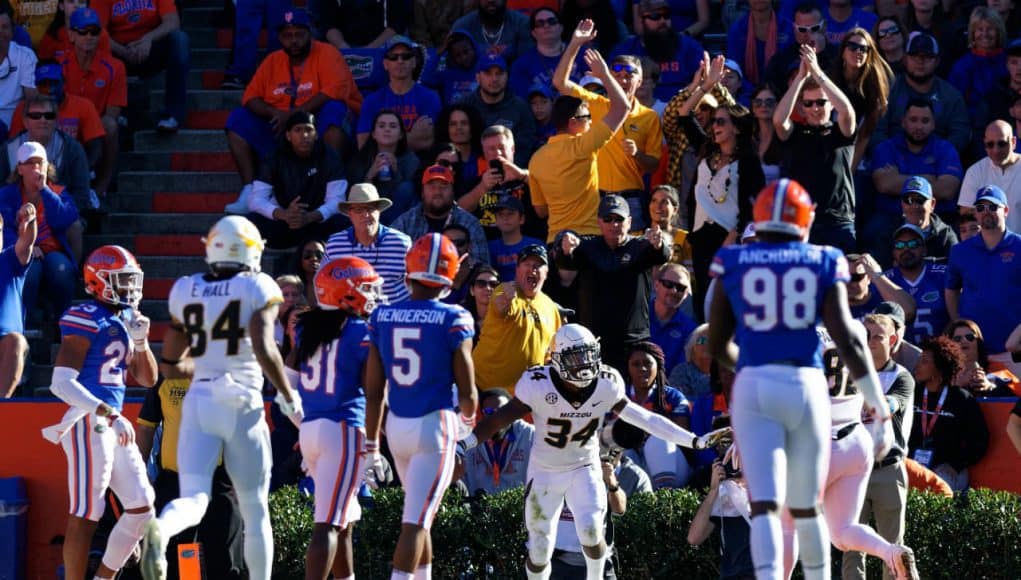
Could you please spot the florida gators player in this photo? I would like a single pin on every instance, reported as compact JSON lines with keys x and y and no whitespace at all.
{"x":100,"y":341}
{"x":774,"y":293}
{"x":419,"y":349}
{"x":569,"y":399}
{"x":333,"y":344}
{"x":223,"y":322}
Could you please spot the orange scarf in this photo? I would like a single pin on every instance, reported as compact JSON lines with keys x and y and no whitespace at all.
{"x":751,"y":64}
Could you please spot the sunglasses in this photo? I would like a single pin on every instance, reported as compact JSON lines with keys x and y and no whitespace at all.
{"x":970,"y":337}
{"x":544,"y":22}
{"x":884,"y":32}
{"x":811,"y":103}
{"x":720,"y":121}
{"x":913,"y":200}
{"x":656,"y":17}
{"x":36,"y":116}
{"x":316,"y":255}
{"x":990,"y":207}
{"x":621,"y":67}
{"x":582,"y":117}
{"x":907,"y":244}
{"x":856,"y":47}
{"x":613,"y":219}
{"x":488,"y":411}
{"x":806,"y":29}
{"x":491,"y":284}
{"x":766,"y":102}
{"x":857,"y":277}
{"x":671,"y":285}
{"x":91,"y":31}
{"x":996,"y":144}
{"x":400,"y":56}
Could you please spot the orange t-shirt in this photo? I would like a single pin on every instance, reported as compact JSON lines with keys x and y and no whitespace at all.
{"x":324,"y":71}
{"x":527,"y":7}
{"x":104,"y":84}
{"x":129,"y":20}
{"x":76,"y":116}
{"x":54,"y":48}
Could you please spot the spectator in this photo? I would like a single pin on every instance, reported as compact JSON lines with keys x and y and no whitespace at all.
{"x":534,"y":68}
{"x":949,"y":433}
{"x":691,"y":377}
{"x":764,"y":133}
{"x":504,"y":250}
{"x":733,"y":80}
{"x":615,"y":284}
{"x":14,"y":262}
{"x":461,"y":238}
{"x":147,"y":36}
{"x":20,"y":79}
{"x":869,"y":286}
{"x":977,"y":73}
{"x":754,"y":38}
{"x":862,"y":75}
{"x":482,"y":281}
{"x":891,"y":38}
{"x":519,"y":325}
{"x":929,"y":17}
{"x":363,"y":24}
{"x":101,"y":79}
{"x":917,"y":156}
{"x":809,"y":28}
{"x":1005,"y":93}
{"x":842,"y":17}
{"x":498,"y":106}
{"x":249,"y":17}
{"x":53,"y":263}
{"x":646,"y":92}
{"x":727,"y":506}
{"x":381,"y":246}
{"x":664,"y":208}
{"x":310,"y":255}
{"x":293,"y":291}
{"x":563,"y":174}
{"x":417,"y":105}
{"x":904,"y":353}
{"x":1000,"y":169}
{"x":974,"y":375}
{"x":386,"y":162}
{"x":919,"y":81}
{"x":501,"y":462}
{"x":691,"y":17}
{"x":496,"y":30}
{"x":432,"y":20}
{"x":296,"y":192}
{"x":886,"y":494}
{"x":917,"y":206}
{"x":924,"y":279}
{"x":670,"y":326}
{"x":968,"y":226}
{"x":676,"y":53}
{"x":981,"y":275}
{"x":830,"y":144}
{"x":635,"y":147}
{"x":452,"y":72}
{"x":605,"y":19}
{"x":56,"y":43}
{"x":324,"y":87}
{"x":540,"y":100}
{"x":461,"y":126}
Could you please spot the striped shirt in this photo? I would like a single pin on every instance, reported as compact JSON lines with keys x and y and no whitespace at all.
{"x":386,"y":255}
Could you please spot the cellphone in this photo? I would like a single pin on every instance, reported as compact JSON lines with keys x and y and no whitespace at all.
{"x":496,"y":165}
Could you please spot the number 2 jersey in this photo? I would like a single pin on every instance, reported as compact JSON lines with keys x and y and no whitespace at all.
{"x":331,"y":379}
{"x":416,"y":340}
{"x":777,"y":291}
{"x":567,"y":423}
{"x":105,"y":365}
{"x":215,"y":313}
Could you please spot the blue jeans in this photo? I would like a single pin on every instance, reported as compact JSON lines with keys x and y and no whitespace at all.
{"x":248,"y":21}
{"x":56,"y":273}
{"x":170,"y":53}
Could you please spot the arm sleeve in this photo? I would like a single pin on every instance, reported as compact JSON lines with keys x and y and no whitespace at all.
{"x":151,"y":413}
{"x":60,"y":209}
{"x":657,"y":425}
{"x":263,"y":202}
{"x":334,"y":194}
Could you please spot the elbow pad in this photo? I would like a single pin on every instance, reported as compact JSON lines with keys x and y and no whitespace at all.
{"x":657,"y":425}
{"x":66,"y":387}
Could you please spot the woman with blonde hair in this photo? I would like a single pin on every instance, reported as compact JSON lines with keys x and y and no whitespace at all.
{"x":862,"y":75}
{"x":977,"y":73}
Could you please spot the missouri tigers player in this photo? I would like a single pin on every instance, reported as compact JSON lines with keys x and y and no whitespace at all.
{"x":420,"y":348}
{"x":569,"y":399}
{"x":774,"y":293}
{"x":100,"y":340}
{"x":223,"y":320}
{"x":333,"y":344}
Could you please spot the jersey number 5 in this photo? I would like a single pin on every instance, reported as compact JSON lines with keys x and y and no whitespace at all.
{"x":788,"y":299}
{"x":562,"y":435}
{"x":407,"y":367}
{"x":227,"y":327}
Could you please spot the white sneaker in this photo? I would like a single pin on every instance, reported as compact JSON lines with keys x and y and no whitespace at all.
{"x":241,"y":205}
{"x":167,"y":125}
{"x":154,"y":553}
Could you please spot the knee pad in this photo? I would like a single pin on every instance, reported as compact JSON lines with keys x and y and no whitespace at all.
{"x":124,"y":537}
{"x":589,"y":528}
{"x":134,"y":523}
{"x":540,"y":550}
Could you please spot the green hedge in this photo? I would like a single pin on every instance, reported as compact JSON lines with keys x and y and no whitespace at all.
{"x":971,"y":536}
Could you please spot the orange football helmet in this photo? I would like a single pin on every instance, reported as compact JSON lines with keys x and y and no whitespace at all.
{"x":783,"y":207}
{"x":112,"y":275}
{"x":433,"y":261}
{"x":349,"y":283}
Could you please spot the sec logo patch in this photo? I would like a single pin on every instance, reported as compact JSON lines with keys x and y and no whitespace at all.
{"x":552,"y":398}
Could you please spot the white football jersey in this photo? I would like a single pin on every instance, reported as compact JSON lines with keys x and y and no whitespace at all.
{"x":566,"y":433}
{"x":215,"y":314}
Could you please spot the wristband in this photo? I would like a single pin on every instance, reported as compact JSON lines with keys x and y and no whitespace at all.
{"x":371,"y":446}
{"x":168,"y":361}
{"x":613,"y":488}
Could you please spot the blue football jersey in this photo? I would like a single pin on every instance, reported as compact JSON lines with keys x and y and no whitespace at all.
{"x":331,"y":379}
{"x":416,"y":339}
{"x":777,"y":292}
{"x":105,"y":364}
{"x":931,"y":315}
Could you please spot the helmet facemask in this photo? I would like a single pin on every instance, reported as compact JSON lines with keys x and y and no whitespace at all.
{"x":123,"y":287}
{"x":578,"y":364}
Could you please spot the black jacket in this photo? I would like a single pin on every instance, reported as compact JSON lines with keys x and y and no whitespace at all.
{"x":959,"y":437}
{"x":292,"y":176}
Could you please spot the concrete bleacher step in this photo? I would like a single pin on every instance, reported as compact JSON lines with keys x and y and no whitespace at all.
{"x":176,"y":266}
{"x":210,"y":58}
{"x":160,"y":223}
{"x":152,"y":244}
{"x":181,"y":161}
{"x":179,"y":181}
{"x":172,"y":202}
{"x":201,"y":99}
{"x":185,"y":140}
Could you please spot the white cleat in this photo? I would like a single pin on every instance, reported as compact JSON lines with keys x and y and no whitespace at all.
{"x":154,"y":553}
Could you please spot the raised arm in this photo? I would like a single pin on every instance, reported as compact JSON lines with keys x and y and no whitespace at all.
{"x":583,"y":34}
{"x":618,"y":100}
{"x":846,"y":119}
{"x":27,"y":230}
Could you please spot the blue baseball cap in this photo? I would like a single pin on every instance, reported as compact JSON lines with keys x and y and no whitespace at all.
{"x":84,"y":17}
{"x":295,"y":17}
{"x":993,"y":194}
{"x":910,"y":228}
{"x":917,"y":184}
{"x":397,"y":40}
{"x":49,"y":72}
{"x":488,"y":61}
{"x":541,"y":89}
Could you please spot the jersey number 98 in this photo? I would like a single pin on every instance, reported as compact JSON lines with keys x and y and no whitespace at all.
{"x":773,"y":298}
{"x":227,"y":327}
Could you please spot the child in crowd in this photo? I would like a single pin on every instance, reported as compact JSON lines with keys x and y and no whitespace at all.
{"x":540,"y":99}
{"x":510,"y":216}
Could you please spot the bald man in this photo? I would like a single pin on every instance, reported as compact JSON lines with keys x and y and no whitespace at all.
{"x":1000,"y":167}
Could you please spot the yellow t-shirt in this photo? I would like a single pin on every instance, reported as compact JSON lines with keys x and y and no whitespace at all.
{"x":564,"y":176}
{"x":511,"y":343}
{"x":171,"y":397}
{"x":617,"y":170}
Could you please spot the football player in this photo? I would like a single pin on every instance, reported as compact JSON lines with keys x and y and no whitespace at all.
{"x":420,"y":347}
{"x":333,"y":344}
{"x":774,"y":293}
{"x":569,"y":399}
{"x":100,"y":341}
{"x":223,"y":322}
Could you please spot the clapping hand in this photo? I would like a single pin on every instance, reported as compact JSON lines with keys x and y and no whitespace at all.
{"x":584,"y":33}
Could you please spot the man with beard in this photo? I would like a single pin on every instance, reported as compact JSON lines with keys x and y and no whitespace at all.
{"x":438,"y":209}
{"x":305,"y":75}
{"x":923,"y":278}
{"x":982,"y":277}
{"x":678,"y":55}
{"x":669,"y":325}
{"x":1000,"y":168}
{"x":809,"y":30}
{"x":914,"y":154}
{"x":496,"y":30}
{"x":919,"y":81}
{"x":498,"y":106}
{"x":501,"y":462}
{"x":917,"y":206}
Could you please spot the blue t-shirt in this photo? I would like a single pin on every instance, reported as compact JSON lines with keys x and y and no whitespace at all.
{"x":671,"y":336}
{"x":451,"y":82}
{"x":532,"y":68}
{"x":931,"y":315}
{"x":416,"y":340}
{"x":676,"y":73}
{"x":988,"y":281}
{"x":777,"y":292}
{"x":835,"y":31}
{"x":420,"y":101}
{"x":938,"y":157}
{"x":331,"y":379}
{"x":12,"y":282}
{"x":505,"y":258}
{"x":105,"y":365}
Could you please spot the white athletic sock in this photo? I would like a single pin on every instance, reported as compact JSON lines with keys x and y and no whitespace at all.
{"x":424,"y":572}
{"x":351,"y":577}
{"x":814,"y":543}
{"x":766,"y":540}
{"x":258,"y":535}
{"x":593,"y":567}
{"x":401,"y":575}
{"x":544,"y":575}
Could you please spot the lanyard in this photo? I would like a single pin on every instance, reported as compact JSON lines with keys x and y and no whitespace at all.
{"x":928,"y":425}
{"x":497,"y":457}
